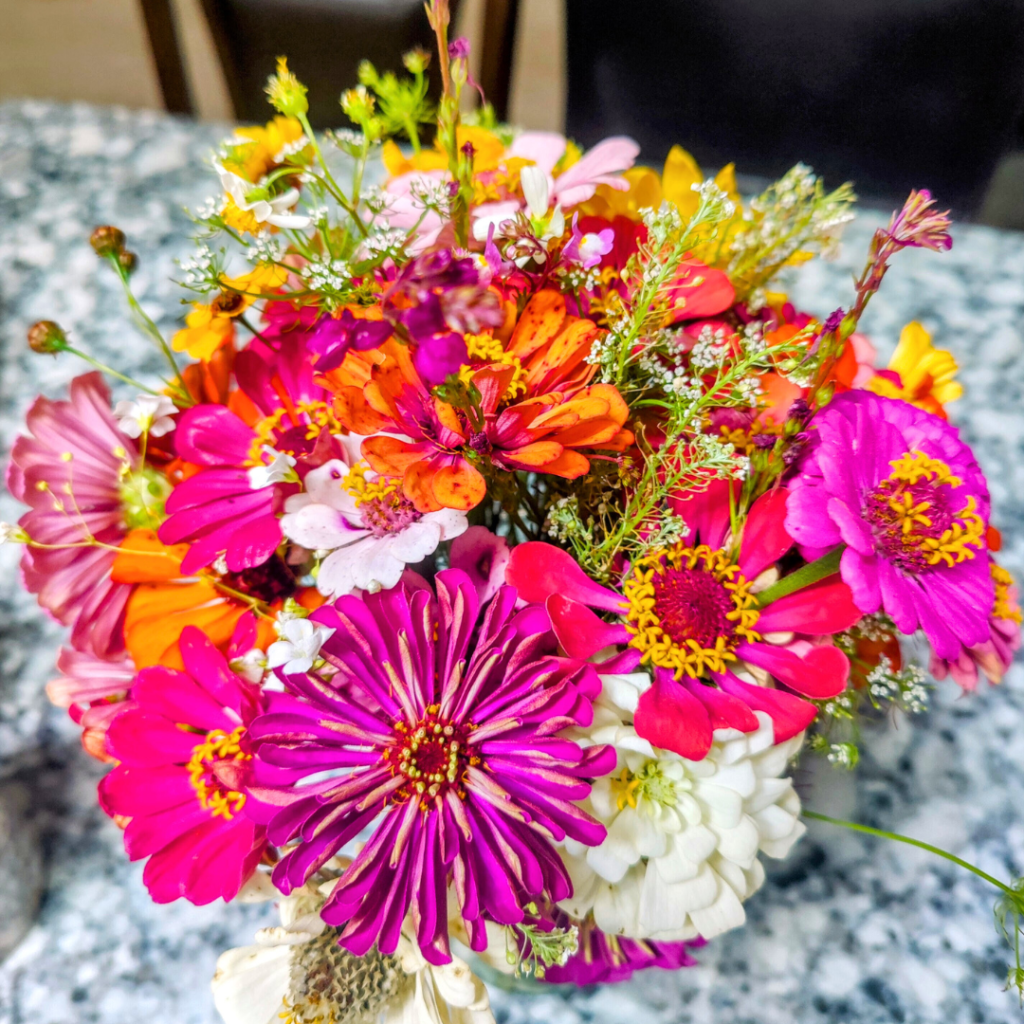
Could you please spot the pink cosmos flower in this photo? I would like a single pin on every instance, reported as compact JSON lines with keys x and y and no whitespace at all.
{"x":231,"y":507}
{"x":184,"y":762}
{"x":69,"y":472}
{"x":443,"y":722}
{"x":691,"y":613}
{"x":94,"y":692}
{"x":904,"y":494}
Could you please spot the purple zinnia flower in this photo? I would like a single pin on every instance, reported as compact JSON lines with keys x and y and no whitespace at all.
{"x":898,"y":487}
{"x":447,"y":725}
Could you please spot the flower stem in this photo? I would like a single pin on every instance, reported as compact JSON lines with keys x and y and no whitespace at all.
{"x":108,"y":369}
{"x":805,"y":576}
{"x":868,"y":830}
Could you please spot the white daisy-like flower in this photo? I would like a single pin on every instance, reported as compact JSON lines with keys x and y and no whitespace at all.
{"x":298,"y":974}
{"x":684,"y":836}
{"x":299,"y":645}
{"x":146,"y":414}
{"x":277,"y":210}
{"x":371,"y":530}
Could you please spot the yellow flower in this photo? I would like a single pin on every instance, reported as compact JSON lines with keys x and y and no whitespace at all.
{"x":927,"y":374}
{"x":261,"y":148}
{"x":211,"y":325}
{"x":488,"y":153}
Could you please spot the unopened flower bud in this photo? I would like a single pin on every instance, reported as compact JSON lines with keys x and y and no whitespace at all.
{"x":127,"y":259}
{"x":107,"y":240}
{"x":46,"y":337}
{"x":417,"y":60}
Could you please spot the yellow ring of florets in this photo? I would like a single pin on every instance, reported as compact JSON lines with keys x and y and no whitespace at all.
{"x":658,"y":647}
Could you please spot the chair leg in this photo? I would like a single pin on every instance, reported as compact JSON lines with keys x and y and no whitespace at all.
{"x":170,"y":68}
{"x":496,"y":52}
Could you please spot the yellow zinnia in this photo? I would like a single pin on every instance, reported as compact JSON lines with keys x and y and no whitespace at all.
{"x":927,"y":374}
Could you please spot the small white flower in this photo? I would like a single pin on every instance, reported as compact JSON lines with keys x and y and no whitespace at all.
{"x":277,"y":210}
{"x":250,"y":666}
{"x":147,"y":414}
{"x":298,"y":972}
{"x":298,"y":647}
{"x":279,"y":470}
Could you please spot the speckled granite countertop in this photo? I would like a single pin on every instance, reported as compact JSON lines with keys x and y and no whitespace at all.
{"x":847,"y":931}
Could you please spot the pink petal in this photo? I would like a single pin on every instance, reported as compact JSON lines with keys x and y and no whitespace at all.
{"x":538,"y":570}
{"x":790,"y":715}
{"x":825,"y":608}
{"x":765,"y":539}
{"x":670,"y":717}
{"x":726,"y":712}
{"x":580,"y":632}
{"x":821,"y":673}
{"x":483,"y":557}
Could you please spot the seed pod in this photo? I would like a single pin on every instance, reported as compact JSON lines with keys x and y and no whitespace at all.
{"x":46,"y":337}
{"x":107,"y":240}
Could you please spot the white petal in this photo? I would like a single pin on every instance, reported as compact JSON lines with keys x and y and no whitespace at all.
{"x":724,"y":914}
{"x":250,"y":984}
{"x":535,"y":190}
{"x":319,"y":527}
{"x":415,"y":542}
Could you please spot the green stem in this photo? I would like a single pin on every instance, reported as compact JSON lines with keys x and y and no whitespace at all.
{"x":804,"y":577}
{"x":329,"y":181}
{"x":867,"y":830}
{"x":108,"y":369}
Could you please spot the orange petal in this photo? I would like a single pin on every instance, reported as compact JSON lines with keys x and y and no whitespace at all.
{"x":538,"y":455}
{"x":143,"y":559}
{"x":355,"y":414}
{"x":390,"y":455}
{"x":541,"y":320}
{"x":569,"y":465}
{"x":563,"y":355}
{"x":591,"y":433}
{"x":460,"y":486}
{"x":416,"y":486}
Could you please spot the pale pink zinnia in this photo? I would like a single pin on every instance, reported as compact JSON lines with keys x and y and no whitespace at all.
{"x":69,"y":472}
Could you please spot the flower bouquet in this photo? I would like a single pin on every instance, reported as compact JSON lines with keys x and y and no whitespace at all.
{"x":504,"y":540}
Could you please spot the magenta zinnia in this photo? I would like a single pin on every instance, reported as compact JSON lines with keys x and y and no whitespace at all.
{"x":448,"y":725}
{"x":898,"y":487}
{"x":184,"y":762}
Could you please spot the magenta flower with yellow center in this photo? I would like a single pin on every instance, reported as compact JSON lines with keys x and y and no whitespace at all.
{"x":904,"y":494}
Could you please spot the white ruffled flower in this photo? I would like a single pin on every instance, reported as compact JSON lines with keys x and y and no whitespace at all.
{"x":370,"y":539}
{"x":299,"y":645}
{"x":277,"y":210}
{"x":147,"y":414}
{"x":684,"y":836}
{"x":298,"y":974}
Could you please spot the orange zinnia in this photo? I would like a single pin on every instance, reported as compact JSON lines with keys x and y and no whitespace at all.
{"x":531,"y":409}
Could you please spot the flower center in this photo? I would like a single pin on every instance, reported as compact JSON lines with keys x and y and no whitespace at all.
{"x":689,"y":608}
{"x":290,"y":429}
{"x":486,"y":349}
{"x":329,"y":985}
{"x":272,"y":581}
{"x":650,"y":783}
{"x":432,"y":755}
{"x":143,"y":492}
{"x":215,"y":771}
{"x":916,"y":518}
{"x":383,"y":506}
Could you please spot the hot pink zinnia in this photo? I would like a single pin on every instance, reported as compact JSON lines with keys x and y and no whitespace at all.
{"x":69,"y":471}
{"x":184,"y":762}
{"x":689,"y":613}
{"x":904,"y":494}
{"x":232,"y":507}
{"x":448,"y":724}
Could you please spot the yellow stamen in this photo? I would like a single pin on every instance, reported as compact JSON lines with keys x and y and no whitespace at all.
{"x":218,"y":746}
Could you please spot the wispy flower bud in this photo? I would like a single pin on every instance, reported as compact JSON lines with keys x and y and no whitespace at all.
{"x":286,"y":93}
{"x":918,"y":225}
{"x":417,"y":60}
{"x":47,"y":337}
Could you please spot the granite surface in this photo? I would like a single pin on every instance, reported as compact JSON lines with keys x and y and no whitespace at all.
{"x":847,"y":931}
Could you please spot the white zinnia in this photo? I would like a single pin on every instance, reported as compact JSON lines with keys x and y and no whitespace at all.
{"x":365,"y":554}
{"x":298,"y":973}
{"x":147,"y":414}
{"x":684,"y":836}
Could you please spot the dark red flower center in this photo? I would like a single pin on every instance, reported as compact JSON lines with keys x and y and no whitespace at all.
{"x":433,"y":756}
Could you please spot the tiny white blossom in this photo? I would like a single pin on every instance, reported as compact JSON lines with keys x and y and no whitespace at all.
{"x":277,"y":472}
{"x":298,"y":647}
{"x":147,"y":414}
